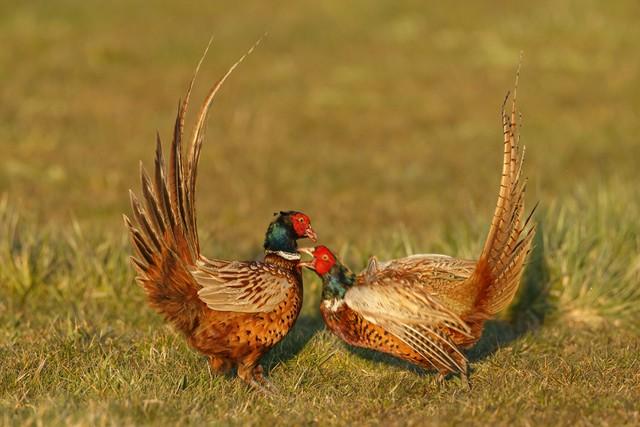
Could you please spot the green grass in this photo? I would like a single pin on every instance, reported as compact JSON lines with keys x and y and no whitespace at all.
{"x":378,"y":119}
{"x":80,"y":347}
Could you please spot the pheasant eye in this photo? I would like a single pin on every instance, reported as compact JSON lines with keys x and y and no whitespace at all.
{"x":300,"y":219}
{"x":325,"y":257}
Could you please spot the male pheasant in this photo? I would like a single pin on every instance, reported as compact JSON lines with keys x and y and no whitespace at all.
{"x":231,"y":311}
{"x":425,"y":307}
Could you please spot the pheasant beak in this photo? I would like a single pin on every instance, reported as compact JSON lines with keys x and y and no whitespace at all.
{"x":309,"y":264}
{"x":310,"y":234}
{"x":308,"y":251}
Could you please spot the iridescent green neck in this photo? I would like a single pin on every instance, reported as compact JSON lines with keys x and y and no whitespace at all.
{"x":280,"y":237}
{"x":336,"y":282}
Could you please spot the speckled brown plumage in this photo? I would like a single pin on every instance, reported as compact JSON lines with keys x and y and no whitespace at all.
{"x":241,"y":339}
{"x":231,"y":311}
{"x":425,"y":308}
{"x":354,"y":329}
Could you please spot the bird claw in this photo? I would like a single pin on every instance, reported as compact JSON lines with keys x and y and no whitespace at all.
{"x":264,"y":386}
{"x":258,"y":375}
{"x":258,"y":382}
{"x":257,"y":386}
{"x":465,"y":380}
{"x":268,"y":385}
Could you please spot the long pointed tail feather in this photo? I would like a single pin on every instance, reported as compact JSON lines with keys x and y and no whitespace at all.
{"x":196,"y":145}
{"x":163,"y":228}
{"x":509,"y":240}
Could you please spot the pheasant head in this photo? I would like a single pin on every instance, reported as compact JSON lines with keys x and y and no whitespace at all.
{"x":286,"y":229}
{"x":336,"y":277}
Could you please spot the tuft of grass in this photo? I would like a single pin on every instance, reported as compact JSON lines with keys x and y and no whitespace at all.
{"x":595,"y":244}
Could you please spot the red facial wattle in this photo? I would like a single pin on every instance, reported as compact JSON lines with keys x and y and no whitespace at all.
{"x":322,"y":267}
{"x":323,"y":260}
{"x":302,"y":226}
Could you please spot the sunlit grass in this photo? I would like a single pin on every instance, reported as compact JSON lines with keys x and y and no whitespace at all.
{"x":378,"y":119}
{"x":79,"y":345}
{"x":597,"y":247}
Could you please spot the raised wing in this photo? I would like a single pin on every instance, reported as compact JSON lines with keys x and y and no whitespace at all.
{"x":411,"y":314}
{"x":245,"y":287}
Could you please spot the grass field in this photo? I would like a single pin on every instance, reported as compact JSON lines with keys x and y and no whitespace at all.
{"x":381,"y":121}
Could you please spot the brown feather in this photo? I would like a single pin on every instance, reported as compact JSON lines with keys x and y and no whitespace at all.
{"x":425,"y":307}
{"x":231,"y":311}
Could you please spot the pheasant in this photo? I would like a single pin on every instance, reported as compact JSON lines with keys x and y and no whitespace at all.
{"x":231,"y":311}
{"x":425,"y":308}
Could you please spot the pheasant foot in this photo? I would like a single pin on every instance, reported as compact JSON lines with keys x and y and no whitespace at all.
{"x":219,"y":365}
{"x":258,"y":375}
{"x":253,"y":376}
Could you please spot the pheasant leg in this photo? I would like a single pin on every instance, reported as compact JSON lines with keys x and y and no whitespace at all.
{"x":246,"y":371}
{"x":219,"y":365}
{"x":464,"y":377}
{"x":258,"y":374}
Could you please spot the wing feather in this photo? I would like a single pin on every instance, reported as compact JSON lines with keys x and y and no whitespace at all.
{"x":415,"y":317}
{"x":245,"y":287}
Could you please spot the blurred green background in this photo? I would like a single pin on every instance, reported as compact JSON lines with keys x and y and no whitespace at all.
{"x":378,"y":119}
{"x":369,"y":116}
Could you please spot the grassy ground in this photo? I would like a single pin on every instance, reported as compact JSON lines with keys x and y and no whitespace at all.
{"x":378,"y":105}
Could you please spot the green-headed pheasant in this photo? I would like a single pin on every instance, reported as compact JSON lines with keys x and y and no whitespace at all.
{"x":425,"y":308}
{"x":231,"y":311}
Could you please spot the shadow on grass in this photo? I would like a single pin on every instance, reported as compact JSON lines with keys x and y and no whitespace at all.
{"x":385,"y":359}
{"x":526,"y":313}
{"x":305,"y":328}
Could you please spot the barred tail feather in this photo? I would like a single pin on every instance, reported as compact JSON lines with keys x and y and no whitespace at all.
{"x":163,"y":227}
{"x":509,"y":241}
